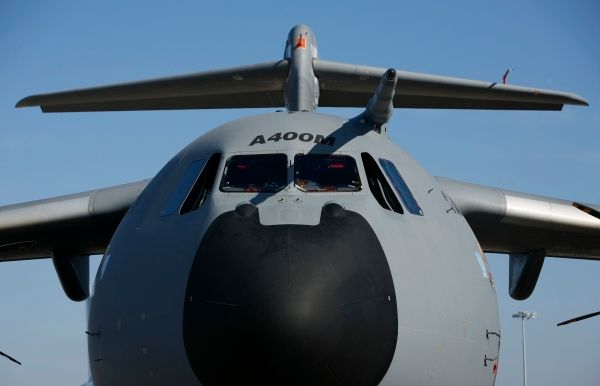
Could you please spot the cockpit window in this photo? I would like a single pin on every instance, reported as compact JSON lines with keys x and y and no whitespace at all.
{"x":379,"y":186}
{"x":203,"y":185}
{"x":178,"y":195}
{"x":326,"y":173}
{"x":195,"y":186}
{"x":401,"y":188}
{"x":255,"y":173}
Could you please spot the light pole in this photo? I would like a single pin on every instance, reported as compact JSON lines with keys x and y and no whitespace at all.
{"x":524,"y":315}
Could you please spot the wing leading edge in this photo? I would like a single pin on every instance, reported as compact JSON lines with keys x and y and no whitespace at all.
{"x":517,"y":223}
{"x":81,"y":223}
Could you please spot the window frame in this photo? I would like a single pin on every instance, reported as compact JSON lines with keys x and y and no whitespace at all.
{"x":182,"y":189}
{"x":252,"y":154}
{"x":211,"y":166}
{"x":341,"y":155}
{"x":179,"y":198}
{"x":400,"y":186}
{"x":379,"y":186}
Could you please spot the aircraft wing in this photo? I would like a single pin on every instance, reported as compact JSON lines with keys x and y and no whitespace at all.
{"x":350,"y":85}
{"x":81,"y":223}
{"x":515,"y":223}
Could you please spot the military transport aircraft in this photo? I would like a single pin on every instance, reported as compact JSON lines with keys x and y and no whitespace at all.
{"x":297,"y":248}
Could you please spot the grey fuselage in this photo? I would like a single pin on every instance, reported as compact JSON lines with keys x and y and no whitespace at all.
{"x":293,"y":287}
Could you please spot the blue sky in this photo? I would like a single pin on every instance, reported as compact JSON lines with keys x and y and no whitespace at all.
{"x":50,"y":46}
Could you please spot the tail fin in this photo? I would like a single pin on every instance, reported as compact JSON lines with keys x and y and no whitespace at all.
{"x":299,"y":82}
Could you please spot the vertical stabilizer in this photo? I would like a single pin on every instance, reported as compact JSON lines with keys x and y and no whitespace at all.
{"x":301,"y":90}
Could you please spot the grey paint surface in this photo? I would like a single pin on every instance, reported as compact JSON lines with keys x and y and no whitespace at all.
{"x":446,"y":300}
{"x":301,"y":87}
{"x":259,"y":85}
{"x":351,"y":85}
{"x":82,"y":222}
{"x":513,"y":222}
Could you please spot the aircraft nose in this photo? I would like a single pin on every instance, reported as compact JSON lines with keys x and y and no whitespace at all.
{"x":290,"y":304}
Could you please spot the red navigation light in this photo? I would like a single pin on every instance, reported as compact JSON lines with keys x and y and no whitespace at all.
{"x":301,"y":42}
{"x":336,"y":165}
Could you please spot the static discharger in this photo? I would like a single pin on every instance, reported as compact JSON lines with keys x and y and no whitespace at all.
{"x":10,"y":358}
{"x":577,"y":319}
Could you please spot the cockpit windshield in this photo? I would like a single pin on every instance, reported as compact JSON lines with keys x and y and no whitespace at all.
{"x":255,"y":173}
{"x":326,"y":173}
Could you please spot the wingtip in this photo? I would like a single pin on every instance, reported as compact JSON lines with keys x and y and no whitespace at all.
{"x":21,"y":103}
{"x":577,"y":100}
{"x":25,"y":102}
